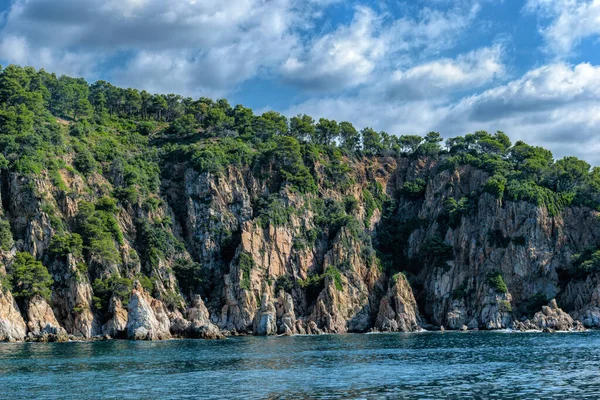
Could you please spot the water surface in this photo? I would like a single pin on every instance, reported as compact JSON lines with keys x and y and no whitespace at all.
{"x":420,"y":366}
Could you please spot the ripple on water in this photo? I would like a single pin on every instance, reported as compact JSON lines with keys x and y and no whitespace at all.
{"x":424,"y":365}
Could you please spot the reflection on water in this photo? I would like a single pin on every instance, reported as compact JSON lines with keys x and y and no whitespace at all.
{"x":423,"y":365}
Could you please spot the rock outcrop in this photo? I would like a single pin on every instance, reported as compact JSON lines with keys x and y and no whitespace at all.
{"x":398,"y":310}
{"x":551,"y":318}
{"x":265,"y":321}
{"x":116,"y":327}
{"x":12,"y":326}
{"x":147,"y":317}
{"x":41,"y":322}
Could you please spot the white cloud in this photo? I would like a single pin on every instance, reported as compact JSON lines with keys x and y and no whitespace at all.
{"x":570,"y":22}
{"x":18,"y":50}
{"x":556,"y":106}
{"x":208,"y":46}
{"x":437,"y":78}
{"x":341,"y":59}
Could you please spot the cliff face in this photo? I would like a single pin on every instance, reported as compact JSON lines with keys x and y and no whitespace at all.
{"x":273,"y":260}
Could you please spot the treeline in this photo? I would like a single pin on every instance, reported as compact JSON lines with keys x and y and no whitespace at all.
{"x":28,"y":97}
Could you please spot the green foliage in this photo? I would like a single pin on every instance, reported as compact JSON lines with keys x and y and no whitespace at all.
{"x":496,"y":282}
{"x":29,"y":277}
{"x":99,"y":229}
{"x":288,"y":160}
{"x":533,"y":304}
{"x":284,"y":283}
{"x":496,"y":186}
{"x":272,"y":211}
{"x":336,"y":276}
{"x":62,"y":245}
{"x":245,"y":263}
{"x":215,"y":157}
{"x":189,"y":274}
{"x":586,"y":263}
{"x":531,"y":192}
{"x":6,"y":239}
{"x":435,"y":251}
{"x":104,"y":289}
{"x":462,"y":292}
{"x":505,"y":306}
{"x":157,"y":242}
{"x":455,"y":210}
{"x":414,"y":189}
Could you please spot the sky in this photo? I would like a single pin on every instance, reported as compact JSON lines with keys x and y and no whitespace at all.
{"x":529,"y":68}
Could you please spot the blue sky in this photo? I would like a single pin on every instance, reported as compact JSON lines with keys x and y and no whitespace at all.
{"x":530,"y":68}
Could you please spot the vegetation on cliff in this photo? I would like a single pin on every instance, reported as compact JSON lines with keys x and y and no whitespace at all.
{"x":103,"y":165}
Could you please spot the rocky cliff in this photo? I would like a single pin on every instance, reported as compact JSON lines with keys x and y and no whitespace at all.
{"x":173,"y":217}
{"x":304,"y":263}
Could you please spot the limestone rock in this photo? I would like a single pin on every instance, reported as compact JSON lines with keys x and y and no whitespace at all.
{"x":12,"y":326}
{"x":398,"y":309}
{"x":550,"y":319}
{"x":116,"y":326}
{"x":497,"y":310}
{"x":200,"y":324}
{"x":265,"y":320}
{"x":41,"y":322}
{"x":286,"y":318}
{"x":147,"y":317}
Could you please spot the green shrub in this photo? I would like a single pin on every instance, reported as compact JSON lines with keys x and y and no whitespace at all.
{"x":414,"y":189}
{"x":29,"y":277}
{"x":335,"y":274}
{"x":189,"y":274}
{"x":6,"y":239}
{"x":496,"y":282}
{"x":104,"y":289}
{"x":63,"y":244}
{"x":496,"y":186}
{"x":284,"y":283}
{"x":245,"y":263}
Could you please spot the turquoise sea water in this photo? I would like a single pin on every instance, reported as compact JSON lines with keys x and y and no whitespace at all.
{"x":420,"y":366}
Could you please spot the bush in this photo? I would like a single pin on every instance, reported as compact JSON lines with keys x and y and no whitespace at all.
{"x":284,"y":283}
{"x":495,"y":185}
{"x":496,"y":282}
{"x":104,"y":289}
{"x":335,"y":274}
{"x":6,"y":239}
{"x":414,"y":189}
{"x":63,"y":244}
{"x":29,"y":277}
{"x":245,"y":263}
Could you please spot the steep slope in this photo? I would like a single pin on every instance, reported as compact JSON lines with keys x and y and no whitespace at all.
{"x":126,"y":214}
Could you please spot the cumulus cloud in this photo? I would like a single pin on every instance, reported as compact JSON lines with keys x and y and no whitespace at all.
{"x":340,"y":59}
{"x":557,"y":106}
{"x":570,"y":22}
{"x":211,"y":45}
{"x":437,"y":78}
